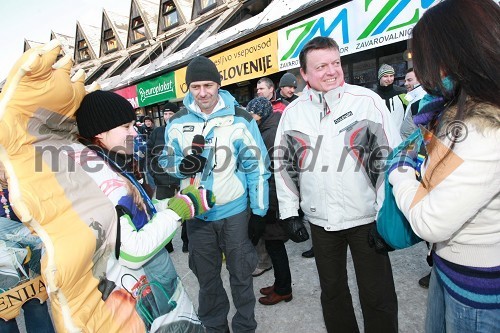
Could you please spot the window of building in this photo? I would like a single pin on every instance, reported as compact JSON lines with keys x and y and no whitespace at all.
{"x":207,"y":3}
{"x":364,"y":72}
{"x":362,"y":68}
{"x":83,"y":50}
{"x":170,"y":16}
{"x":110,"y":42}
{"x":345,"y":69}
{"x":154,"y":112}
{"x":201,"y":7}
{"x":242,"y":94}
{"x":138,"y":30}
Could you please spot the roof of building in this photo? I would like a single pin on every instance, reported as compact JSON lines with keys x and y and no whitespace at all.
{"x":208,"y":40}
{"x":149,"y":13}
{"x":120,"y":25}
{"x":185,"y":7}
{"x":93,"y":36}
{"x":67,"y":42}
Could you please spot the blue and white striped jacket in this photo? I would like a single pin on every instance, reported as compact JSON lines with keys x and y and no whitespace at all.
{"x":237,"y":168}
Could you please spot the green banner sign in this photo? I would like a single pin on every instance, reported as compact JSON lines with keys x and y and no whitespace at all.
{"x":156,"y":90}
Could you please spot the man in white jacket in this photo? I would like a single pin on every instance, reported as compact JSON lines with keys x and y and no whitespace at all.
{"x":393,"y":95}
{"x":413,"y":97}
{"x":330,"y":144}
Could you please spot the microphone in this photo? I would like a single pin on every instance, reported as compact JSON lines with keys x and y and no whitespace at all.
{"x":198,"y":144}
{"x":197,"y":147}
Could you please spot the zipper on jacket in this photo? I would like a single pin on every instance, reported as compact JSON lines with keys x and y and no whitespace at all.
{"x":326,"y":108}
{"x":215,"y":158}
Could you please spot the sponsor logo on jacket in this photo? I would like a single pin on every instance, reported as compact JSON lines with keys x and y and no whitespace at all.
{"x":342,"y":117}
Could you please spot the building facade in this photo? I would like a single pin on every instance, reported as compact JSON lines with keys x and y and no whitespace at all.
{"x":143,"y":55}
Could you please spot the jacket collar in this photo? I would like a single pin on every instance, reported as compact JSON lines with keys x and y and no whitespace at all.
{"x":225,"y":106}
{"x":416,"y":94}
{"x":332,"y":96}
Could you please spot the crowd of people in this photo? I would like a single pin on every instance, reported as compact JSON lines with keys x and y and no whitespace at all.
{"x":245,"y":180}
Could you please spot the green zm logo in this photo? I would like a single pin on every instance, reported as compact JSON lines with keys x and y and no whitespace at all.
{"x":382,"y":22}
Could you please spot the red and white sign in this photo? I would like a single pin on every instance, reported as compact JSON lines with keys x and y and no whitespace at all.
{"x":130,"y":93}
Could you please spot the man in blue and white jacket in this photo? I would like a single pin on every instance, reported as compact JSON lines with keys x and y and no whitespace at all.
{"x":231,"y":160}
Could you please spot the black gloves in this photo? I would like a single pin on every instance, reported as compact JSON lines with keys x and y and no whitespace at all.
{"x":376,"y":241}
{"x":295,"y":229}
{"x":256,"y":227}
{"x":192,"y":164}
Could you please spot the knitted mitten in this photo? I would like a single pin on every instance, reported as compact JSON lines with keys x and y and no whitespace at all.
{"x":191,"y":202}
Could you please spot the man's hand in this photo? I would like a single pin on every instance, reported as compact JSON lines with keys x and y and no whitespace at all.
{"x":192,"y":164}
{"x":295,"y":229}
{"x":376,"y":241}
{"x":256,"y":228}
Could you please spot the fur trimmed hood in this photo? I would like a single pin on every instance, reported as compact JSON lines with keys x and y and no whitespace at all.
{"x":481,"y":115}
{"x":484,"y":115}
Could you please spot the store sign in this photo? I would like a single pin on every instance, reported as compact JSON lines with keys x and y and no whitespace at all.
{"x":356,"y":26}
{"x":248,"y":61}
{"x":130,"y":94}
{"x":156,"y":90}
{"x":180,"y":81}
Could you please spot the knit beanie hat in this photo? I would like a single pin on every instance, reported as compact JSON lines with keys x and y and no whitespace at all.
{"x":191,"y":202}
{"x":260,"y":106}
{"x":170,"y":107}
{"x":288,"y":80}
{"x":385,"y":69}
{"x":202,"y":69}
{"x":101,"y":111}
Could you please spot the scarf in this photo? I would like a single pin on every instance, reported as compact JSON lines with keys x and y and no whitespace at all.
{"x":431,"y":106}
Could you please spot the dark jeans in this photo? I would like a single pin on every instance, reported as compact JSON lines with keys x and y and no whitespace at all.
{"x":282,"y":277}
{"x":36,"y":318}
{"x":373,"y":275}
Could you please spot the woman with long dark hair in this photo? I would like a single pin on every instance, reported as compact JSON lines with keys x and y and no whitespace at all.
{"x":456,"y":206}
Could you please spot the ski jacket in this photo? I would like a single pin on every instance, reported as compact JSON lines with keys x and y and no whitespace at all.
{"x":237,"y":168}
{"x":141,"y":233}
{"x":459,"y":209}
{"x":329,"y":156}
{"x":395,"y":101}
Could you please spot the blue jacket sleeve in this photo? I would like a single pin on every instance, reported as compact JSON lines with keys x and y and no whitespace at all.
{"x":255,"y":162}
